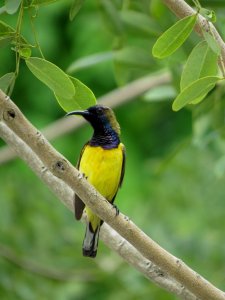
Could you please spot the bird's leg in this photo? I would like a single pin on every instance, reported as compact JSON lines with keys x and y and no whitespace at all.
{"x":116,"y":208}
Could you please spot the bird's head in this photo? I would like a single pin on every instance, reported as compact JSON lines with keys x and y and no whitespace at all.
{"x":99,"y":116}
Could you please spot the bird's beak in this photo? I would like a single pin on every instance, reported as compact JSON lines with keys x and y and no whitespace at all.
{"x":83,"y":113}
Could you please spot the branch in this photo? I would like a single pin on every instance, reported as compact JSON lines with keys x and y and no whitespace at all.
{"x":181,"y":9}
{"x":115,"y":98}
{"x":55,"y":163}
{"x":109,"y":236}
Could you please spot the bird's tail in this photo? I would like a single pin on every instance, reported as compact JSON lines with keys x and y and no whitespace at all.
{"x":90,"y":243}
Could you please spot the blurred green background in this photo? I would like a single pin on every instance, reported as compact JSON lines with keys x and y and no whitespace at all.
{"x":174,"y":183}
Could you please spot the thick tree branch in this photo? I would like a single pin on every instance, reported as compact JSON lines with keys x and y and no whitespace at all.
{"x":109,"y":236}
{"x":114,"y":98}
{"x":61,"y":168}
{"x":181,"y":9}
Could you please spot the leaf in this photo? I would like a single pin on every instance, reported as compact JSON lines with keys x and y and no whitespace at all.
{"x":88,"y":61}
{"x":6,"y":81}
{"x":211,"y":42}
{"x":202,"y":62}
{"x":195,"y":91}
{"x":139,"y":21}
{"x":51,"y":75}
{"x":83,"y":98}
{"x":112,"y":16}
{"x":160,"y":93}
{"x":208,"y":14}
{"x":25,"y":52}
{"x":43,"y":2}
{"x":11,"y":6}
{"x":174,"y":37}
{"x":5,"y":29}
{"x":133,"y":56}
{"x":75,"y":7}
{"x":8,"y":35}
{"x":6,"y":40}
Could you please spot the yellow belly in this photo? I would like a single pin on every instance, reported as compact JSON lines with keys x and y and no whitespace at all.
{"x":103,"y":170}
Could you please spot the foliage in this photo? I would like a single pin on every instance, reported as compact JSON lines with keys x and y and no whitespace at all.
{"x":173,"y":186}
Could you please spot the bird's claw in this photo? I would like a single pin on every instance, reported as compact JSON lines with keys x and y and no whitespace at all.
{"x":117,"y":209}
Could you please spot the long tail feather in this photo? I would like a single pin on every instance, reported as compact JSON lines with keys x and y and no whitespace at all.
{"x":90,"y":243}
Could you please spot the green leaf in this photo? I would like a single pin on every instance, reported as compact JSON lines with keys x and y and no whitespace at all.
{"x":88,"y":61}
{"x":139,"y":22}
{"x":208,"y":14}
{"x":25,"y":52}
{"x":211,"y":42}
{"x":133,"y":56}
{"x":5,"y":29}
{"x":111,"y":17}
{"x":51,"y":75}
{"x":6,"y":81}
{"x":202,"y":62}
{"x":11,"y":6}
{"x":174,"y":37}
{"x":8,"y":35}
{"x":6,"y":40}
{"x":195,"y":91}
{"x":160,"y":93}
{"x":75,"y":7}
{"x":43,"y":2}
{"x":82,"y":99}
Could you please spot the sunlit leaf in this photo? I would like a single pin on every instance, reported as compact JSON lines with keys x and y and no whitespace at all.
{"x":82,"y":99}
{"x":6,"y":81}
{"x":174,"y":37}
{"x":202,"y":62}
{"x":75,"y":7}
{"x":195,"y":91}
{"x":51,"y":75}
{"x":11,"y":6}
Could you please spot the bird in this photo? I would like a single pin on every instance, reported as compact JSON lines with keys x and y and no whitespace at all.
{"x":102,"y":163}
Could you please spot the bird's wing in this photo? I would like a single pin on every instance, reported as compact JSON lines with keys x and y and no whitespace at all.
{"x":123,"y":165}
{"x":122,"y":171}
{"x":78,"y":203}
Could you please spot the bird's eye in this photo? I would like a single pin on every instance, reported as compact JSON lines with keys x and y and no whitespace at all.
{"x":99,"y":110}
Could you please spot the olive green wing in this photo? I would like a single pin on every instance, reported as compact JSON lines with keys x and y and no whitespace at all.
{"x":123,"y":166}
{"x":122,"y":171}
{"x":78,"y":203}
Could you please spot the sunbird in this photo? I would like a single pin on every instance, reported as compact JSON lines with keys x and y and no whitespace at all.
{"x":102,"y":162}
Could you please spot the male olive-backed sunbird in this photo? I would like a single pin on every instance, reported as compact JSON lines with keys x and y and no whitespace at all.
{"x":102,"y":162}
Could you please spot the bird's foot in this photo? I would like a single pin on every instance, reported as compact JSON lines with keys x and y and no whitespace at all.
{"x":116,"y":208}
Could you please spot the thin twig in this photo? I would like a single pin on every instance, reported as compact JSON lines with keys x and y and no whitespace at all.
{"x":61,"y":168}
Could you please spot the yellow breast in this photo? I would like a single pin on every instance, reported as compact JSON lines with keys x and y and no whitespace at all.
{"x":102,"y":167}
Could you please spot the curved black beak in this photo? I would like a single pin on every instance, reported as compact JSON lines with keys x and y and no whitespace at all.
{"x":83,"y":113}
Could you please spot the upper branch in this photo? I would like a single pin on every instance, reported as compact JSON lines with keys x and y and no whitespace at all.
{"x":181,"y":9}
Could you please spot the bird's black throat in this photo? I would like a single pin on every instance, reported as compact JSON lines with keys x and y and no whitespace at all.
{"x":105,"y":137}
